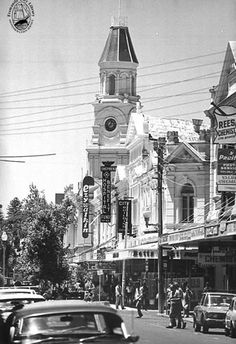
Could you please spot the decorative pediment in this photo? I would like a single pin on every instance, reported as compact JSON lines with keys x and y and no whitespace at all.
{"x":184,"y":153}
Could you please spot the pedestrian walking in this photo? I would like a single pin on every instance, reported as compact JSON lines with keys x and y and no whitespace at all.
{"x":206,"y":288}
{"x":187,"y":295}
{"x":139,"y":299}
{"x":89,"y":290}
{"x":175,"y":299}
{"x":118,"y":295}
{"x":129,"y":292}
{"x":145,"y":296}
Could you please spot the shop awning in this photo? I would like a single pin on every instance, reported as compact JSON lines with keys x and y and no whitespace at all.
{"x":146,"y":251}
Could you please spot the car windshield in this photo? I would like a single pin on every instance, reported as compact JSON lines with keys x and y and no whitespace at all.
{"x":220,"y":300}
{"x":71,"y":324}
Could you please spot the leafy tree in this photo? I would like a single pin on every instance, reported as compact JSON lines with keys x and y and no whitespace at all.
{"x":45,"y":246}
{"x":14,"y":230}
{"x":36,"y":230}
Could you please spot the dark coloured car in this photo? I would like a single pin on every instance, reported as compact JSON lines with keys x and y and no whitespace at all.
{"x":211,"y":311}
{"x":67,"y":321}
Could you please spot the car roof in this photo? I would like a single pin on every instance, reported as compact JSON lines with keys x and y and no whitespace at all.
{"x":219,"y":293}
{"x":20,"y":296}
{"x":4,"y":290}
{"x":62,"y":306}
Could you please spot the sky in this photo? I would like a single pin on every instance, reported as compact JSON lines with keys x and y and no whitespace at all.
{"x":50,"y":75}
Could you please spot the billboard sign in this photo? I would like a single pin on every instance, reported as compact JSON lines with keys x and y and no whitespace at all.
{"x":226,"y":169}
{"x":225,"y":124}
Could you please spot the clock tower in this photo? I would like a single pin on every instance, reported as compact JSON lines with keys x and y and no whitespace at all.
{"x":116,"y":100}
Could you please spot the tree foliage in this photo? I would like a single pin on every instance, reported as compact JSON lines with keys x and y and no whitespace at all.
{"x":36,"y":229}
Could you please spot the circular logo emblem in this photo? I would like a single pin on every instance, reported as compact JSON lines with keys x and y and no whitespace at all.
{"x":21,"y":15}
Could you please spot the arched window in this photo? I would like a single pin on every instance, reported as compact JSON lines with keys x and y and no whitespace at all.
{"x":187,"y":195}
{"x":133,"y":86}
{"x":112,"y":85}
{"x":123,"y":86}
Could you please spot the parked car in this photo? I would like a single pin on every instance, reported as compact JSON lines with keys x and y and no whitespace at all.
{"x":211,"y":311}
{"x":67,"y":321}
{"x":11,"y":301}
{"x":230,"y":319}
{"x":7,"y":290}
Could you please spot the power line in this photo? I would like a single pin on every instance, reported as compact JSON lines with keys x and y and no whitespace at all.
{"x":85,"y":113}
{"x":40,"y":112}
{"x":40,"y":88}
{"x":46,"y":131}
{"x":47,"y":125}
{"x":6,"y":160}
{"x":181,"y":69}
{"x":47,"y":119}
{"x":27,"y":156}
{"x":183,"y":60}
{"x":174,"y":105}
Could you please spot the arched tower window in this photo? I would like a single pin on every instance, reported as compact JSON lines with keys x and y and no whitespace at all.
{"x":123,"y":86}
{"x":133,"y":86}
{"x":187,"y":195}
{"x":111,"y":85}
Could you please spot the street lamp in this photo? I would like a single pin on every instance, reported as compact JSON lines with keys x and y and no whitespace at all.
{"x":4,"y":239}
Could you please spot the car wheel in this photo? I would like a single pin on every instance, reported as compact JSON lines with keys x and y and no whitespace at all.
{"x":232,"y":331}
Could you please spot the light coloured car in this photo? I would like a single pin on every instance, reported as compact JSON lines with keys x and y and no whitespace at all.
{"x":13,"y":290}
{"x":211,"y":311}
{"x":67,"y":321}
{"x":12,"y":301}
{"x":230,"y":319}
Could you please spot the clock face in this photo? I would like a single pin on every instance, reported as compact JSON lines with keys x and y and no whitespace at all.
{"x":110,"y":124}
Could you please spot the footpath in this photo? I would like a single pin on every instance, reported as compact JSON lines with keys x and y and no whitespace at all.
{"x":153,"y":312}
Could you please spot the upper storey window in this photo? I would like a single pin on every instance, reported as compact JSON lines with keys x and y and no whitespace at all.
{"x":111,"y":85}
{"x":187,"y":195}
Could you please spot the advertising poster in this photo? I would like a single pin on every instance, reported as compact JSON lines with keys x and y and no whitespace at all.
{"x":226,"y":170}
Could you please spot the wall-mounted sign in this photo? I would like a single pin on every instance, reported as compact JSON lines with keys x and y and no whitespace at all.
{"x":226,"y":170}
{"x":106,"y":190}
{"x":85,"y":206}
{"x":216,"y":259}
{"x":211,"y":231}
{"x":225,"y":124}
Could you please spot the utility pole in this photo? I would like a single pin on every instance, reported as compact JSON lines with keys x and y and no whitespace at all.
{"x":124,"y":262}
{"x":159,"y":146}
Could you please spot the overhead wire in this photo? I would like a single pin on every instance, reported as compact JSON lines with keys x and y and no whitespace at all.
{"x":59,"y":107}
{"x":95,"y":77}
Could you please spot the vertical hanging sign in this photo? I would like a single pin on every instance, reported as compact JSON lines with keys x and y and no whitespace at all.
{"x":85,"y":215}
{"x":124,"y":215}
{"x":106,"y":190}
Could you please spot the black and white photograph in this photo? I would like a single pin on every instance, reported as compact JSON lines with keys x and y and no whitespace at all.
{"x":118,"y":171}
